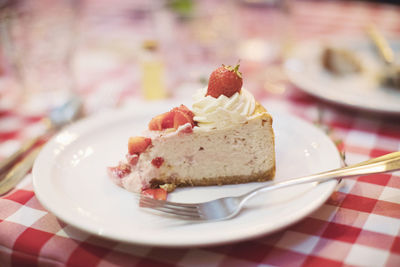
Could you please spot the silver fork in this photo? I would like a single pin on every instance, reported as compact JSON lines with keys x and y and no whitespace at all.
{"x":228,"y":207}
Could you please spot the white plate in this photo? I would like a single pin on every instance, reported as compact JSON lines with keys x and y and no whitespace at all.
{"x":70,"y":181}
{"x":360,"y":91}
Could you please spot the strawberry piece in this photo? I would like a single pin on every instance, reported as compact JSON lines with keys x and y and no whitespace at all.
{"x":138,"y":144}
{"x":180,"y":118}
{"x":162,"y":122}
{"x":157,"y":162}
{"x":187,"y":111}
{"x":119,"y":171}
{"x":225,"y":80}
{"x":172,"y":119}
{"x":157,"y":193}
{"x":156,"y":123}
{"x":132,"y":159}
{"x":167,"y":120}
{"x":182,"y":115}
{"x":186,"y":130}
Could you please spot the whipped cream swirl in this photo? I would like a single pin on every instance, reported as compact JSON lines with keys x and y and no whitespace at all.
{"x":222,"y":112}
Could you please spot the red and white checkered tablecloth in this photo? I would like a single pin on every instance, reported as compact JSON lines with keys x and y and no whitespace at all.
{"x":358,"y":226}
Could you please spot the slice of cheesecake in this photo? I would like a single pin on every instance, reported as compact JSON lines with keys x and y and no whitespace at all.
{"x":227,"y":138}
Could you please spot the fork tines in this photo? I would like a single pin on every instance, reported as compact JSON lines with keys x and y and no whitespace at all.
{"x":185,"y":211}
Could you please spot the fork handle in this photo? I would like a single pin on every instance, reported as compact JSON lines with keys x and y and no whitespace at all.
{"x":19,"y":171}
{"x":385,"y":163}
{"x":384,"y":49}
{"x":7,"y":163}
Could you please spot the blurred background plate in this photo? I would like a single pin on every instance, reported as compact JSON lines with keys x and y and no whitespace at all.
{"x":362,"y":90}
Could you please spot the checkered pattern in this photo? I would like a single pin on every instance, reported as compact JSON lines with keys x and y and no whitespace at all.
{"x":358,"y":226}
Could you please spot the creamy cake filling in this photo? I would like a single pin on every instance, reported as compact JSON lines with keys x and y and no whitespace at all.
{"x":190,"y":158}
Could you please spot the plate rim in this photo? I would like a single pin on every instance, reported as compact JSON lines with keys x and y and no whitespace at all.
{"x":331,"y":185}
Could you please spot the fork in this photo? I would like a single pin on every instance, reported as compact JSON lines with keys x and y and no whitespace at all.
{"x":392,"y":69}
{"x":228,"y":207}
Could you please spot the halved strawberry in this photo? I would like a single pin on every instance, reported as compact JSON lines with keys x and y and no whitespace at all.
{"x":162,"y":121}
{"x":180,"y":118}
{"x":157,"y":193}
{"x":185,"y":110}
{"x":167,"y":120}
{"x":138,"y":144}
{"x":156,"y":122}
{"x":172,"y":119}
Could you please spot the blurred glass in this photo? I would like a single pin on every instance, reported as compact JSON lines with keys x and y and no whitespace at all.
{"x":213,"y":30}
{"x":265,"y":29}
{"x":39,"y":39}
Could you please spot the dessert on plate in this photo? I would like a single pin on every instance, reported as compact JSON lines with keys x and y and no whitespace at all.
{"x":226,"y":138}
{"x":340,"y":61}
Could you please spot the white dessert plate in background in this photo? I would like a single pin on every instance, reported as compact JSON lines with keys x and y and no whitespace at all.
{"x":359,"y":91}
{"x":70,"y":181}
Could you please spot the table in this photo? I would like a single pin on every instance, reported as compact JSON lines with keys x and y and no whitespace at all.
{"x":359,"y":225}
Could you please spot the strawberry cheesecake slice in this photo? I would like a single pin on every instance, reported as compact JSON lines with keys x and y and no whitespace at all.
{"x":227,"y":138}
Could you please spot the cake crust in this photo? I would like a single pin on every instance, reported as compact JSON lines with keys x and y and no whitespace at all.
{"x":223,"y":180}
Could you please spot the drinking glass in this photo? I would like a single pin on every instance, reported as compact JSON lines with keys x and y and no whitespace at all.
{"x":265,"y":28}
{"x":266,"y":31}
{"x":39,"y":39}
